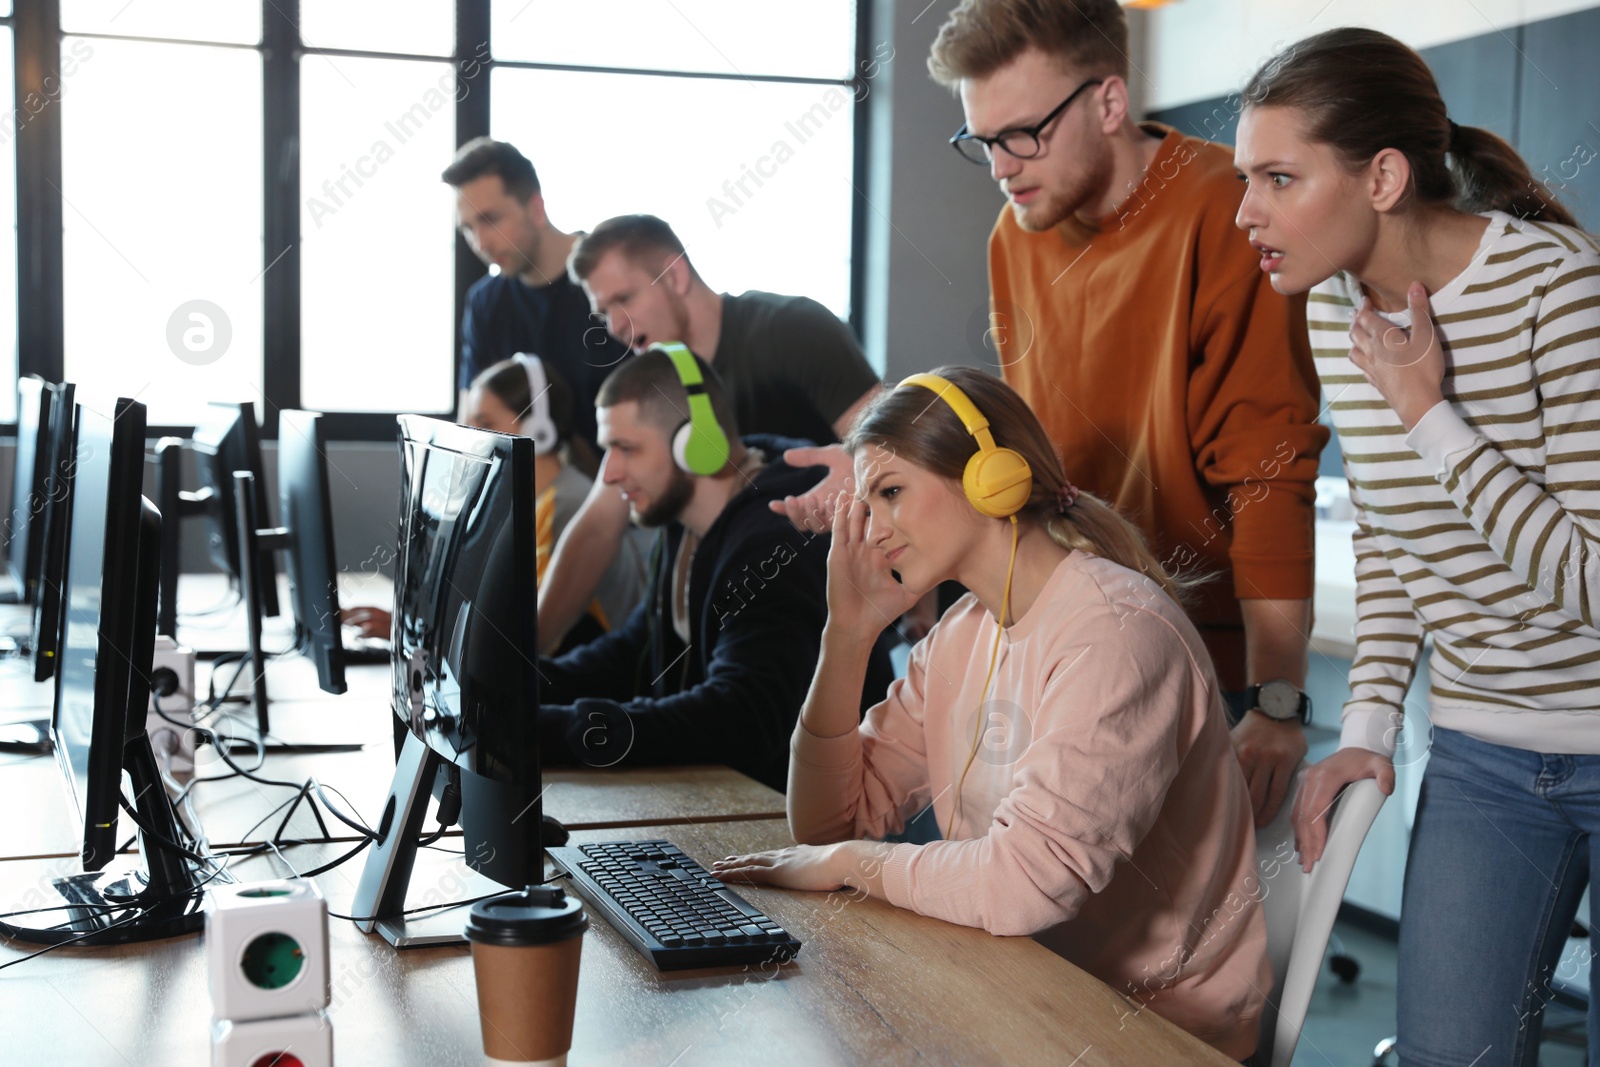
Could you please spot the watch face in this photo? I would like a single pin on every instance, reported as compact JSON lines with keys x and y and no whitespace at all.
{"x":1280,"y":699}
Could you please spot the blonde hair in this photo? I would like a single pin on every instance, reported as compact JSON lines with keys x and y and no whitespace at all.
{"x":981,"y":36}
{"x":914,"y":426}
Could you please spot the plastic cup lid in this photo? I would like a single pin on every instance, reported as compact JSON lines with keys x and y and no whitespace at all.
{"x":537,"y":915}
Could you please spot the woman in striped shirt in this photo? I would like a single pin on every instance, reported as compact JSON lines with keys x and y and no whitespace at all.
{"x":1454,"y":313}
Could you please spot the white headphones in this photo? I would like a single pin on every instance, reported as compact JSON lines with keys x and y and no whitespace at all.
{"x":537,"y":423}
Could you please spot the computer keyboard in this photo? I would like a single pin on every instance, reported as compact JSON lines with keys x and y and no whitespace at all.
{"x":670,"y":907}
{"x":358,"y":648}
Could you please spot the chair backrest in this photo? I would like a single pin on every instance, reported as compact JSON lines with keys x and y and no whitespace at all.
{"x":1300,"y":908}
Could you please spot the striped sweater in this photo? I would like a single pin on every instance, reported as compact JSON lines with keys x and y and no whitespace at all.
{"x":1481,"y":526}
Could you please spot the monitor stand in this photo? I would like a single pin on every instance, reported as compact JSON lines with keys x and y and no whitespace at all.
{"x":27,"y":738}
{"x":165,"y":895}
{"x":381,"y":896}
{"x":253,"y":540}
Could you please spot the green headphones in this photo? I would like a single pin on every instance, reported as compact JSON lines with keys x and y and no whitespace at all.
{"x":699,"y":445}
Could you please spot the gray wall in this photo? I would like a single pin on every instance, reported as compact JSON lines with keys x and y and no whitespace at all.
{"x":1535,"y":85}
{"x":929,"y":212}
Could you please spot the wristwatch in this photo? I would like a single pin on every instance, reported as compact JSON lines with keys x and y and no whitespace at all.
{"x":1281,"y":701}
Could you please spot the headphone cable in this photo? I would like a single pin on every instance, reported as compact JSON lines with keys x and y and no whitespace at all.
{"x":994,"y":656}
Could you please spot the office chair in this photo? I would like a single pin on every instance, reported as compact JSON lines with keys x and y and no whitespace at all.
{"x":1300,"y":908}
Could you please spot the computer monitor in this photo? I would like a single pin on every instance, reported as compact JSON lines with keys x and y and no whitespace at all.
{"x":25,"y":540}
{"x":57,"y":526}
{"x":306,"y":508}
{"x":102,"y":691}
{"x":227,"y":440}
{"x":46,"y":520}
{"x":307,"y":538}
{"x":465,"y":684}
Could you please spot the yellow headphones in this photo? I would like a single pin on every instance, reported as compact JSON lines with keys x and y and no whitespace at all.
{"x":998,"y":481}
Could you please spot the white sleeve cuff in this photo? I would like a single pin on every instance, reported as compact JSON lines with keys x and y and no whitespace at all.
{"x":1375,"y":727}
{"x":1438,"y":435}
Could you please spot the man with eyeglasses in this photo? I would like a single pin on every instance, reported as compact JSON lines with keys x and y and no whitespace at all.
{"x":1143,"y":333}
{"x":531,"y":305}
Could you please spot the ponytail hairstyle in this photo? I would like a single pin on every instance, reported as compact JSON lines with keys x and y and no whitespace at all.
{"x":914,"y":426}
{"x":1360,"y":91}
{"x":508,"y":380}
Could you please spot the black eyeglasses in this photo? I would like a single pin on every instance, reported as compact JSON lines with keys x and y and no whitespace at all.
{"x":1021,"y":142}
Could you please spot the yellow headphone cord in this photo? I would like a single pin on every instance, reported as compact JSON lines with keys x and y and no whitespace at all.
{"x":994,"y":657}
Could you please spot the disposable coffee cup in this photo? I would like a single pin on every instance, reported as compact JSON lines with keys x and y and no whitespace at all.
{"x":525,"y":948}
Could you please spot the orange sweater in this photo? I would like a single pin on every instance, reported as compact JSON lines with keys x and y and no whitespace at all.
{"x":1178,"y":385}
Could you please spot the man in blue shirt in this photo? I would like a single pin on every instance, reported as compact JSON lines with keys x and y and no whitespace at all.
{"x":531,"y":305}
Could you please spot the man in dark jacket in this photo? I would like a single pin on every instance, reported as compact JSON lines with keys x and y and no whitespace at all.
{"x":714,"y":666}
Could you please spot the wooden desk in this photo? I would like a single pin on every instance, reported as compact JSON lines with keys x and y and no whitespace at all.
{"x":873,"y":985}
{"x":231,"y":811}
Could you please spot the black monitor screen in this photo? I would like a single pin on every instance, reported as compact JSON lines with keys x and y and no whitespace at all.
{"x":24,"y":530}
{"x":464,"y":638}
{"x":56,"y":527}
{"x":227,"y":440}
{"x":95,"y":670}
{"x":306,"y":509}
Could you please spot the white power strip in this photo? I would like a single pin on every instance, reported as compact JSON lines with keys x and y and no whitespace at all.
{"x":165,"y":736}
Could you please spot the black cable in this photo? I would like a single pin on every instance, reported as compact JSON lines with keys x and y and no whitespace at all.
{"x":143,"y":908}
{"x":161,"y":839}
{"x":370,"y":834}
{"x":139,"y":914}
{"x":59,"y":907}
{"x":334,"y":863}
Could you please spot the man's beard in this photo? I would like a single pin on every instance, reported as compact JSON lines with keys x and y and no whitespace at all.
{"x":670,"y":504}
{"x":1051,"y":209}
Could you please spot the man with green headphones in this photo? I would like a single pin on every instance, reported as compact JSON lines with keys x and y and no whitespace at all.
{"x":791,"y":368}
{"x":714,"y":665}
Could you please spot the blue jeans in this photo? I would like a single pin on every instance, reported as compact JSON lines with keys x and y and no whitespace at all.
{"x":1499,"y":860}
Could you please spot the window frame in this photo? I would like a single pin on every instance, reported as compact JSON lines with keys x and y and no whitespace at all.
{"x":37,"y":37}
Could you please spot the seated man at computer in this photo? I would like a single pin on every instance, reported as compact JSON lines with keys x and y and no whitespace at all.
{"x":713,"y":667}
{"x":790,"y":365}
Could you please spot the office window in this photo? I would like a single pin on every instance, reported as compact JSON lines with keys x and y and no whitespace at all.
{"x":418,"y":27}
{"x":162,"y":234}
{"x":753,"y":176}
{"x":713,"y":36}
{"x":377,"y":229}
{"x":175,"y":213}
{"x":218,"y":21}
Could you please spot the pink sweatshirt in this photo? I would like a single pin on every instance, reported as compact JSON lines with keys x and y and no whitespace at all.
{"x":1105,"y":813}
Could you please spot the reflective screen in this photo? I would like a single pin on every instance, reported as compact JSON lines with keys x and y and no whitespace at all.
{"x":26,"y":503}
{"x":465,"y":599}
{"x":88,"y":747}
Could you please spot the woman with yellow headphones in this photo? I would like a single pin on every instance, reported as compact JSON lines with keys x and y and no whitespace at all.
{"x":1063,"y":719}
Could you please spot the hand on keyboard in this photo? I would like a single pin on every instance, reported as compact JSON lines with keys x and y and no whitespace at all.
{"x":810,"y":867}
{"x":368,"y":622}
